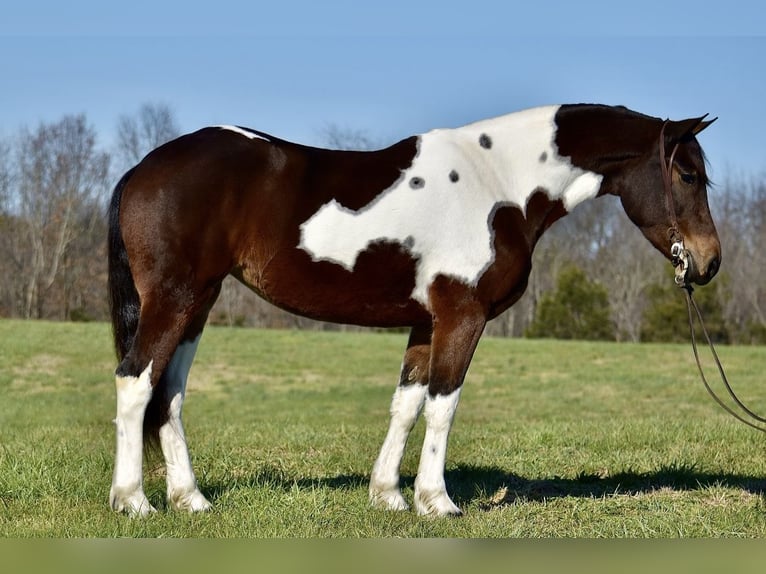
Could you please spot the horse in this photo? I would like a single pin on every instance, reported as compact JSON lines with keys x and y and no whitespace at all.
{"x":434,"y":233}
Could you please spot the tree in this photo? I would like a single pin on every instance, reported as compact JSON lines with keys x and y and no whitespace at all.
{"x":336,"y":137}
{"x":577,"y":309}
{"x":7,"y":229}
{"x":61,"y":179}
{"x":627,"y":267}
{"x":666,"y":317}
{"x":153,"y":125}
{"x":5,"y":177}
{"x":740,"y":211}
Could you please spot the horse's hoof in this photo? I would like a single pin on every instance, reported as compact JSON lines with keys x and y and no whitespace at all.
{"x":193,"y":501}
{"x":135,"y":505}
{"x":435,"y":504}
{"x":388,"y":499}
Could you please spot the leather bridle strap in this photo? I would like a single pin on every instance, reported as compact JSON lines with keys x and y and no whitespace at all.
{"x":666,"y":167}
{"x":679,"y":257}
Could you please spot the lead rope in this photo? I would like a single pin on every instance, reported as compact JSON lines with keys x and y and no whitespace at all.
{"x":691,"y":303}
{"x":680,"y":263}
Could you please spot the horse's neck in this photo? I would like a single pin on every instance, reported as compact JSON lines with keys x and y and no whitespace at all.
{"x":518,"y":156}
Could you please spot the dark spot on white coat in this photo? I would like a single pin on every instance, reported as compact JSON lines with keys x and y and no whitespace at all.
{"x":417,"y":182}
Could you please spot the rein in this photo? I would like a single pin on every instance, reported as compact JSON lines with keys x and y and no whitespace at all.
{"x":679,"y":259}
{"x":691,"y":303}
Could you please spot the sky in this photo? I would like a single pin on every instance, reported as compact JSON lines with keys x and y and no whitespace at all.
{"x":390,"y":69}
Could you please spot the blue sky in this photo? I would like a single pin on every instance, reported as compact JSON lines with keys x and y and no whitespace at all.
{"x":389,"y":68}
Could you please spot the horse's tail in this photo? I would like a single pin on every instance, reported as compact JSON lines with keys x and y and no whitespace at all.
{"x":125,"y":307}
{"x":124,"y":303}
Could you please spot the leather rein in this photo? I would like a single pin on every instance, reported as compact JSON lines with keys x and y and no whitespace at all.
{"x":680,"y":260}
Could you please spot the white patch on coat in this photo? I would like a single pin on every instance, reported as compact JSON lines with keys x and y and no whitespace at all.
{"x":445,"y":221}
{"x":244,"y":132}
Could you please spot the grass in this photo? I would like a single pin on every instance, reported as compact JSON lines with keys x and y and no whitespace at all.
{"x":552,"y":439}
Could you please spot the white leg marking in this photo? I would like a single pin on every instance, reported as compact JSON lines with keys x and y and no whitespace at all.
{"x":127,"y":494}
{"x":430,"y":490}
{"x":182,"y":490}
{"x":384,"y":481}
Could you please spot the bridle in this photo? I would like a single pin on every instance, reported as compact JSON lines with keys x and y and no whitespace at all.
{"x":679,"y":257}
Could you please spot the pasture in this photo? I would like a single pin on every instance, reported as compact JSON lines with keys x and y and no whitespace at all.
{"x":552,"y":439}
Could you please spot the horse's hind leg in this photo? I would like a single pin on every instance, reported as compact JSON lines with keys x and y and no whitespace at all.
{"x":182,"y":491}
{"x":161,"y":328}
{"x":133,"y":394}
{"x":405,"y":408}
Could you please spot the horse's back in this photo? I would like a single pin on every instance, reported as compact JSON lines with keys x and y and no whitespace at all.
{"x":223,"y":164}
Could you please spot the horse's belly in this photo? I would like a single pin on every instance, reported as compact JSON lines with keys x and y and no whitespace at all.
{"x":376,"y":292}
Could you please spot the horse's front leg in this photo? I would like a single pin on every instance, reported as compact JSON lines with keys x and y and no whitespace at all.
{"x":430,"y":488}
{"x":457,"y":329}
{"x":405,"y":408}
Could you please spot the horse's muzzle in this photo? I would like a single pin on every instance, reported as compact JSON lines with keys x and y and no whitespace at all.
{"x":701,"y":272}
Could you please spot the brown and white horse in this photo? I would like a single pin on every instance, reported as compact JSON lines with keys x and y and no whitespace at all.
{"x":435,"y":233}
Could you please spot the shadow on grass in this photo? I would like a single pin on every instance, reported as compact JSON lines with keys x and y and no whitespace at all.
{"x":490,"y":487}
{"x":494,"y":487}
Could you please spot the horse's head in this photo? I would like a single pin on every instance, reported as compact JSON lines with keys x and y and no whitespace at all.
{"x":672,"y":206}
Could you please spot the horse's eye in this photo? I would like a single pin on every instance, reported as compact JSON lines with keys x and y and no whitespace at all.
{"x":688,"y":178}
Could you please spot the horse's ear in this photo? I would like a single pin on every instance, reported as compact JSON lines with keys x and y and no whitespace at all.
{"x":702,"y":125}
{"x":676,"y":131}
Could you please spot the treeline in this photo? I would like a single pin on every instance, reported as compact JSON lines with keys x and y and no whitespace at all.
{"x":594,"y":275}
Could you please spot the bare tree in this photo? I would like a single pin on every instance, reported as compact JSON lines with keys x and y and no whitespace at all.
{"x":5,"y":177}
{"x":8,"y":224}
{"x":61,"y":179}
{"x":336,"y":137}
{"x":740,"y":209}
{"x":629,"y":266}
{"x":153,"y":125}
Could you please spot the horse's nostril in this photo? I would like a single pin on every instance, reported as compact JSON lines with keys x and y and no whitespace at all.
{"x":712,"y":267}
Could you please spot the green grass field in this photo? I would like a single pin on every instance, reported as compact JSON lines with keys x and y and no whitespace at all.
{"x":552,"y":439}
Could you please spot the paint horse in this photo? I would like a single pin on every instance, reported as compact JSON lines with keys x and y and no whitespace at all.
{"x":435,"y":232}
